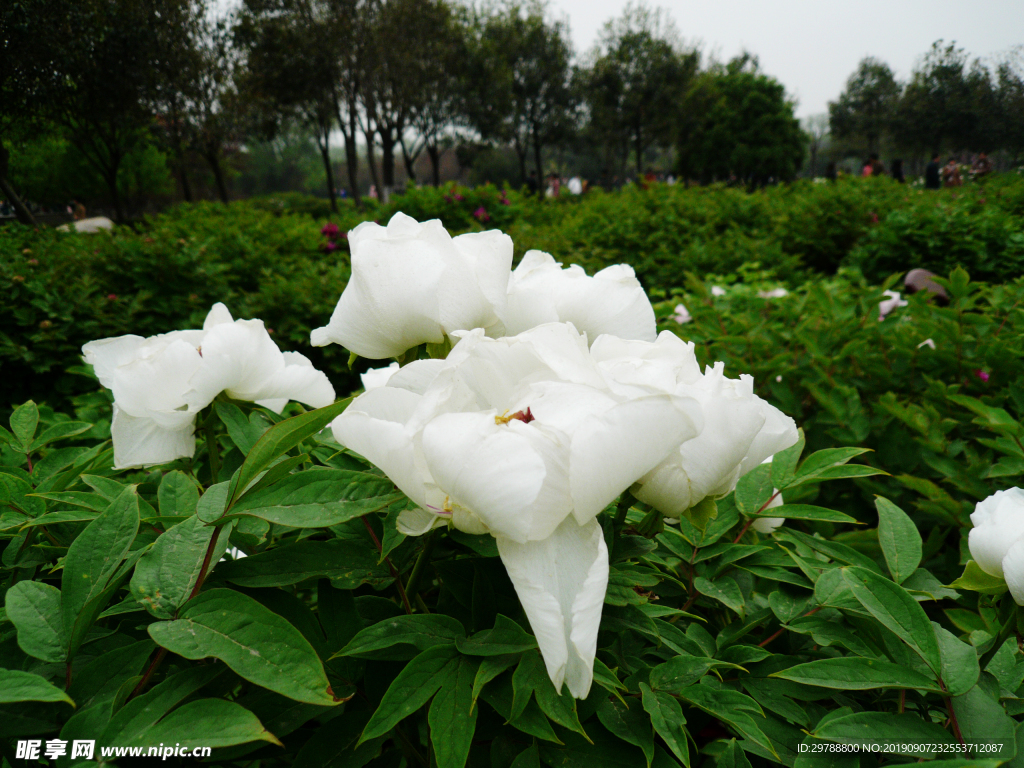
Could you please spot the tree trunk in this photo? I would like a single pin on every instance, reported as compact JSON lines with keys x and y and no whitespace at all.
{"x":218,"y":174}
{"x":387,"y":163}
{"x":352,"y":163}
{"x":370,"y":161}
{"x":521,"y":154}
{"x":434,"y":153}
{"x":115,"y":196}
{"x":538,"y":151}
{"x":639,"y":155}
{"x":186,"y":188}
{"x":409,"y":160}
{"x":23,"y":214}
{"x":325,"y":155}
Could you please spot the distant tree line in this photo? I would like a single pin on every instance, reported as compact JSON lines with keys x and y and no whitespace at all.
{"x":950,"y":104}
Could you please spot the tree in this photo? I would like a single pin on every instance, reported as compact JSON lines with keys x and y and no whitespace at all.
{"x":748,"y":131}
{"x":522,"y":84}
{"x":937,"y":109}
{"x":638,"y":75}
{"x":291,"y":71}
{"x":1010,"y":103}
{"x":865,"y":110}
{"x":816,"y":127}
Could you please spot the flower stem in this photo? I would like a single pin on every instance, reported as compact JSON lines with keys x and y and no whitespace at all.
{"x":625,"y":502}
{"x":212,"y":448}
{"x":412,"y":586}
{"x":391,"y":566}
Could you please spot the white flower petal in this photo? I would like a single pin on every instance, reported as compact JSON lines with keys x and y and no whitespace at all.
{"x":154,"y":384}
{"x":561,"y":583}
{"x":998,"y":525}
{"x":513,"y":476}
{"x":613,"y":450}
{"x":1013,"y":571}
{"x":378,"y":377}
{"x":416,"y":522}
{"x":141,"y":442}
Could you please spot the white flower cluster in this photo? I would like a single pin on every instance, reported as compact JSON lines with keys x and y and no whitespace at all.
{"x":996,"y":541}
{"x":161,"y":383}
{"x":556,"y":398}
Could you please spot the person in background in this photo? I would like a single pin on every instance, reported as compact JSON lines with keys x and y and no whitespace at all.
{"x":932,"y":178}
{"x":897,"y":171}
{"x":982,"y":166}
{"x":951,"y":174}
{"x":532,"y":185}
{"x":77,"y":210}
{"x":868,"y":169}
{"x":877,"y":169}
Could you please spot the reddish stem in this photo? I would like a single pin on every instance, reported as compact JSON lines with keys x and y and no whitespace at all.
{"x":750,"y":521}
{"x":952,"y":716}
{"x":391,"y":566}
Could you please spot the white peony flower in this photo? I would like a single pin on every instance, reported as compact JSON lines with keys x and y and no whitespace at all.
{"x":377,"y":377}
{"x":888,"y":305}
{"x":717,"y":290}
{"x":160,"y":383}
{"x":768,"y":525}
{"x":612,"y":301}
{"x":413,"y":283}
{"x":740,"y":429}
{"x":997,"y":539}
{"x":523,"y":438}
{"x":774,"y":293}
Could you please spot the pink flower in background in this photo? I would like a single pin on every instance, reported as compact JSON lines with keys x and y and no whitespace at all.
{"x":983,"y":375}
{"x":330,"y":230}
{"x":111,"y":297}
{"x":481,"y":214}
{"x":330,"y":245}
{"x":459,"y":197}
{"x":874,"y":217}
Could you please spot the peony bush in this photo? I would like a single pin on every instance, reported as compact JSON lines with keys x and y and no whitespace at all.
{"x":542,"y":535}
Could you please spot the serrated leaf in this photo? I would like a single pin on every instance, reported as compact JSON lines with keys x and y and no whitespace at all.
{"x":255,"y":642}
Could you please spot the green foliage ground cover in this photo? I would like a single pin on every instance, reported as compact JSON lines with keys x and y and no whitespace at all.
{"x":840,"y":626}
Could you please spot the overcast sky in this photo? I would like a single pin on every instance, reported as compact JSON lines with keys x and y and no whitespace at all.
{"x":812,"y":46}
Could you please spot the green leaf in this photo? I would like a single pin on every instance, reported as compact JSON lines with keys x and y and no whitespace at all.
{"x":900,"y":539}
{"x":166,"y":574}
{"x":857,"y":674}
{"x":668,"y":721}
{"x":528,"y":758}
{"x":255,"y":642}
{"x":16,"y":686}
{"x":93,"y":558}
{"x":681,"y":672}
{"x":452,"y":716}
{"x":131,"y":724}
{"x":754,"y":490}
{"x":983,"y":721}
{"x":733,"y":756}
{"x":897,"y":610}
{"x":976,"y":580}
{"x":808,"y":512}
{"x":60,"y":431}
{"x":243,"y":432}
{"x":784,"y":462}
{"x":723,"y":589}
{"x":701,"y":514}
{"x":210,"y":723}
{"x":177,"y":494}
{"x":108,"y":488}
{"x":905,"y":731}
{"x":419,"y":631}
{"x":960,"y":669}
{"x":420,"y":679}
{"x":210,"y":508}
{"x":506,"y":637}
{"x":277,"y":441}
{"x":348,"y":563}
{"x":631,"y":725}
{"x":83,"y":499}
{"x":23,"y":423}
{"x":319,"y":498}
{"x":492,"y":666}
{"x":34,"y":609}
{"x":815,"y":465}
{"x":334,"y":747}
{"x":531,"y":677}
